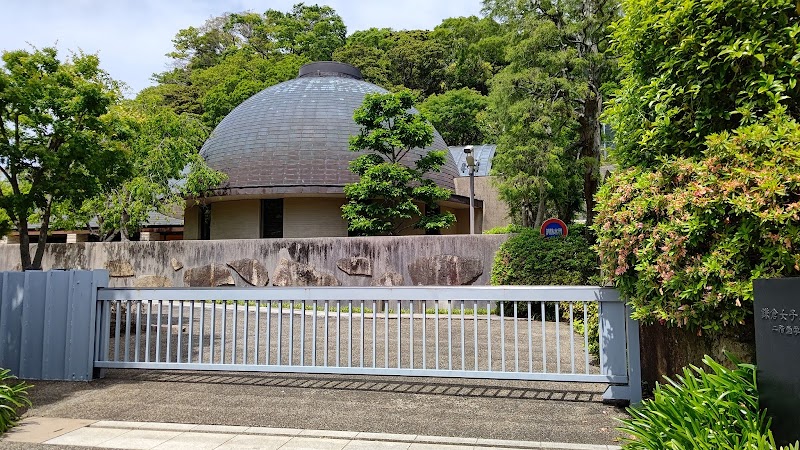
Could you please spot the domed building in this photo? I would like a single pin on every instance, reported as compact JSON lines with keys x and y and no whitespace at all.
{"x":285,"y":151}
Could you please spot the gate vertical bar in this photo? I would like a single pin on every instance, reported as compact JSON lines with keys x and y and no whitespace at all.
{"x":411,"y":333}
{"x":180,"y":330}
{"x":202,"y":331}
{"x":291,"y":332}
{"x":258,"y":328}
{"x":246,"y":330}
{"x":169,"y":332}
{"x":463,"y":341}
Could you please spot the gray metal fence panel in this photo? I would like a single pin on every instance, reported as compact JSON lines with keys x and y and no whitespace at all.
{"x":55,"y":325}
{"x":47,"y":323}
{"x":11,"y":320}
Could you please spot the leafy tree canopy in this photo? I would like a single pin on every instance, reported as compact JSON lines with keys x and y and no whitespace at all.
{"x":683,"y":241}
{"x":58,"y":141}
{"x":697,"y":68}
{"x":166,"y":168}
{"x":546,"y":104}
{"x":457,"y":115}
{"x":233,"y":56}
{"x":705,"y":199}
{"x":385,"y":200}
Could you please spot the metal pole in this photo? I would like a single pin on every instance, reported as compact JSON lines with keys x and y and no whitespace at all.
{"x":472,"y":199}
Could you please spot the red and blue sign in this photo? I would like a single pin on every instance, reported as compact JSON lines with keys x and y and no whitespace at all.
{"x":554,"y":228}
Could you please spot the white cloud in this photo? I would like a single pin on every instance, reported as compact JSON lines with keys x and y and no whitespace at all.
{"x":133,"y":36}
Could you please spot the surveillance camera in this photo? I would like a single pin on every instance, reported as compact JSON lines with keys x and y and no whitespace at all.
{"x":468,"y":149}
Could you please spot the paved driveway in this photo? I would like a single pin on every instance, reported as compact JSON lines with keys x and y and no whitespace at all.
{"x":550,"y":412}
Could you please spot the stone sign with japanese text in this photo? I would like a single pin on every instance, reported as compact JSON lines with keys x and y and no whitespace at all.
{"x":777,"y":328}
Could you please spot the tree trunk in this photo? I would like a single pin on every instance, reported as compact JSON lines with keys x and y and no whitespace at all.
{"x":24,"y":243}
{"x":540,"y":209}
{"x":590,"y":150}
{"x":123,"y":226}
{"x":43,"y":230}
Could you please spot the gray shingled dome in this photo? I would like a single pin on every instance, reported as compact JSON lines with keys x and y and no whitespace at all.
{"x":292,"y":138}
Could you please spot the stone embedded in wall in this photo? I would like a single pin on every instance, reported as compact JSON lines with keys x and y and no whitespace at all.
{"x":251,"y":271}
{"x":208,"y":276}
{"x":388,"y":279}
{"x":445,"y":270}
{"x":152,"y":281}
{"x":355,"y":265}
{"x":119,"y":268}
{"x":293,"y":273}
{"x":176,"y":265}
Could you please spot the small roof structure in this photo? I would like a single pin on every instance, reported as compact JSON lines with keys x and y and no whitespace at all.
{"x":483,"y":159}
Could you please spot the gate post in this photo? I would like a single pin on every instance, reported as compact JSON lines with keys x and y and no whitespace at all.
{"x":99,"y":280}
{"x":634,"y":358}
{"x":619,"y":351}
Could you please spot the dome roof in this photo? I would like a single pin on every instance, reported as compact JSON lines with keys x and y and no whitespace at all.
{"x":293,"y":137}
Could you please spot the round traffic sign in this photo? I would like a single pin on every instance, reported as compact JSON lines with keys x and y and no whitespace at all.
{"x":554,"y":228}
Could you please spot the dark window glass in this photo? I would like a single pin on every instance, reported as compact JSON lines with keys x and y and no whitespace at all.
{"x":272,"y":218}
{"x":205,"y":222}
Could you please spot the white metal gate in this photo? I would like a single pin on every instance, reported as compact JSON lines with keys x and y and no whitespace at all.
{"x":436,"y":331}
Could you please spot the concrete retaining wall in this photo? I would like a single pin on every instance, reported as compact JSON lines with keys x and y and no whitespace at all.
{"x":387,"y":261}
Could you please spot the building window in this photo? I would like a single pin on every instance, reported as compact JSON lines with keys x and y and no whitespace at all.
{"x":272,"y":218}
{"x":205,"y":222}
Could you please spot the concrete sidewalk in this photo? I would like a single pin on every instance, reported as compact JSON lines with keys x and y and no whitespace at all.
{"x":57,"y":433}
{"x":484,"y":410}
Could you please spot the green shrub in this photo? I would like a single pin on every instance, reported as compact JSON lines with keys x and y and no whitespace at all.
{"x":715,"y":409}
{"x":530,"y":259}
{"x":12,"y":396}
{"x":683,"y":242}
{"x":508,"y":229}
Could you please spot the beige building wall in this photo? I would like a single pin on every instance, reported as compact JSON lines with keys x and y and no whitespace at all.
{"x":191,"y":223}
{"x":495,"y":211}
{"x":238,"y":219}
{"x":313,"y":217}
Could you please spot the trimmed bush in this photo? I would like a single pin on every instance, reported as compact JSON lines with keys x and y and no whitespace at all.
{"x":530,"y":259}
{"x":13,"y":395}
{"x":714,"y":409}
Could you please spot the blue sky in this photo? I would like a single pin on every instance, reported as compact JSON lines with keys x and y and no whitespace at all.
{"x":132,"y":36}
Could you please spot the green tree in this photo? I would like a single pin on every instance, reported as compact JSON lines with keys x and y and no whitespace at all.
{"x":457,"y":115}
{"x":416,"y":62}
{"x":166,"y":168}
{"x":474,"y":51}
{"x":57,"y":141}
{"x":366,"y":50}
{"x":554,"y":87}
{"x":706,"y":196}
{"x":694,"y":69}
{"x":385,"y":199}
{"x":233,"y":56}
